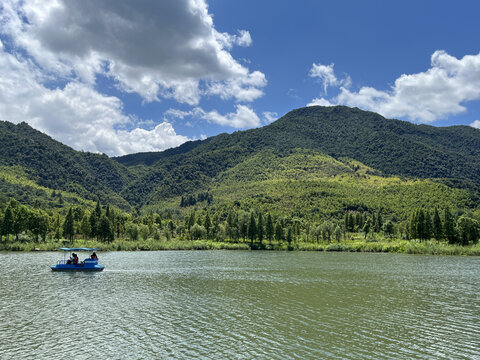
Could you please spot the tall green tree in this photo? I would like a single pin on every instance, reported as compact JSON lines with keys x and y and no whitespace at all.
{"x":367,"y":226}
{"x":207,"y":224}
{"x":279,"y":233}
{"x":388,"y":228}
{"x":38,"y":224}
{"x":68,"y":226}
{"x":378,"y":221}
{"x":421,"y":232}
{"x":289,"y":236}
{"x":269,"y":228}
{"x":85,"y":225}
{"x":260,"y":230}
{"x":7,"y":224}
{"x":437,"y":225}
{"x":468,"y":230}
{"x":449,"y":226}
{"x":20,"y":221}
{"x":105,"y":231}
{"x":252,"y":228}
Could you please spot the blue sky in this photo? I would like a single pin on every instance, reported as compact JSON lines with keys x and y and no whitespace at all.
{"x":123,"y":77}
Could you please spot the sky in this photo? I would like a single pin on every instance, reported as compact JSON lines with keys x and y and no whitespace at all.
{"x":120,"y":77}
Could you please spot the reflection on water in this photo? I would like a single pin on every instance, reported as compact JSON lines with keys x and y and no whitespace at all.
{"x":242,"y":305}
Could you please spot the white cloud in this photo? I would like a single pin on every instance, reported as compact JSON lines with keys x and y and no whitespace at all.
{"x":75,"y":114}
{"x":153,"y":48}
{"x":228,"y":40}
{"x":428,"y":96}
{"x":58,"y":49}
{"x":321,"y":102}
{"x":269,"y":116}
{"x":243,"y":89}
{"x":475,"y":124}
{"x":327,"y":76}
{"x":243,"y":117}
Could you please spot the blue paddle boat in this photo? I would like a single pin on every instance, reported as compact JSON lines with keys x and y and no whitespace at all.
{"x":73,"y":264}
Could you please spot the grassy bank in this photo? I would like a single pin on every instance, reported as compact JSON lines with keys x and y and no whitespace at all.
{"x":354,"y":245}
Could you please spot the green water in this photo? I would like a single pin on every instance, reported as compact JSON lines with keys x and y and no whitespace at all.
{"x":241,"y":305}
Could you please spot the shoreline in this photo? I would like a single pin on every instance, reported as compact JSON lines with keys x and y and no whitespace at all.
{"x":383,"y":246}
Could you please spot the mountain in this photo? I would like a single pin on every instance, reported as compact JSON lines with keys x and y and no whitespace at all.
{"x":391,"y":147}
{"x":314,"y":161}
{"x":50,"y":164}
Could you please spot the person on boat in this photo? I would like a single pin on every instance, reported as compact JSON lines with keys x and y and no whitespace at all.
{"x":75,"y":259}
{"x":94,"y":256}
{"x":72,"y":257}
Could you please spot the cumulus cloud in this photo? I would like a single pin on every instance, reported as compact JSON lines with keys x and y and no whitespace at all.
{"x":427,"y":96}
{"x":327,"y":77}
{"x":244,"y":89}
{"x":320,"y":102}
{"x":153,"y":48}
{"x":58,"y":49}
{"x":242,"y":39}
{"x":75,"y":114}
{"x":475,"y":124}
{"x":243,"y":117}
{"x":269,"y":116}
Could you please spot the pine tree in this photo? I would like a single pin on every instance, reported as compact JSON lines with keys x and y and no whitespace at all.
{"x":279,"y":232}
{"x":449,"y":226}
{"x":413,"y":225}
{"x":68,"y":229}
{"x":428,"y":225}
{"x":437,"y":226}
{"x":208,"y":224}
{"x":252,"y":228}
{"x":85,"y":225}
{"x":269,"y":229}
{"x":289,"y":236}
{"x":421,"y":225}
{"x":190,"y":220}
{"x":7,"y":224}
{"x":105,"y":231}
{"x":260,"y":227}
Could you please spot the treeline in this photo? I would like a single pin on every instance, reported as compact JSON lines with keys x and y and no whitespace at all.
{"x":461,"y":228}
{"x":229,"y":224}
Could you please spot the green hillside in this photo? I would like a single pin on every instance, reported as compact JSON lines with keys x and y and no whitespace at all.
{"x":389,"y":147}
{"x":308,"y":184}
{"x":53,"y":165}
{"x":314,"y":162}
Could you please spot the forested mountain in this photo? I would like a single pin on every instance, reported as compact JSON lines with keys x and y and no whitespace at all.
{"x":315,"y":160}
{"x":53,"y":165}
{"x":392,"y":147}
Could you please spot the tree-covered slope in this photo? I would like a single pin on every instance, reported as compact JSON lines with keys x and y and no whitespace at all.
{"x":392,"y":147}
{"x":309,"y":184}
{"x":53,"y":165}
{"x":306,"y":152}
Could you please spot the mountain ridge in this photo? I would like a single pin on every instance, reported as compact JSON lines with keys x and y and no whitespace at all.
{"x":387,"y":148}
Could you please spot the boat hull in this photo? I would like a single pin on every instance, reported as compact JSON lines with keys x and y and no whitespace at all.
{"x":68,"y":267}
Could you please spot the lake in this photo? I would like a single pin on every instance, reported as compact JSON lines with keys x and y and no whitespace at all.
{"x":241,"y":305}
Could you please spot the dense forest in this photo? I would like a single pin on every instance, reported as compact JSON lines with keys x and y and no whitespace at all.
{"x":306,"y":176}
{"x":20,"y":225}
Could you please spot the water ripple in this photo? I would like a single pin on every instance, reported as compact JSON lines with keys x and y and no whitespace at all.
{"x":242,"y":305}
